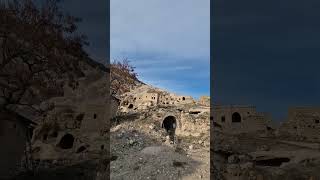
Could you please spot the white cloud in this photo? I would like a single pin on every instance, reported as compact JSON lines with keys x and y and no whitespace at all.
{"x":179,"y":29}
{"x":168,"y":41}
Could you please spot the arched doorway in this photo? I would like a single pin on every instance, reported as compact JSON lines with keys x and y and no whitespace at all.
{"x":169,"y":124}
{"x":236,"y":117}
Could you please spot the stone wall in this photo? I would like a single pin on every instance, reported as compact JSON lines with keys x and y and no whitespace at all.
{"x":144,"y":97}
{"x":13,"y":139}
{"x":195,"y":124}
{"x":114,"y":105}
{"x":204,"y":101}
{"x":94,"y":118}
{"x":239,"y":119}
{"x":303,"y":123}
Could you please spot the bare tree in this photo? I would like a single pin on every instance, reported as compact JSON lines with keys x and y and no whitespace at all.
{"x":122,"y":76}
{"x":39,"y":47}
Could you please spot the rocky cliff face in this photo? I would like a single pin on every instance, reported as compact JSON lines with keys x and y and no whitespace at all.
{"x":75,"y":126}
{"x":160,"y":135}
{"x":74,"y":129}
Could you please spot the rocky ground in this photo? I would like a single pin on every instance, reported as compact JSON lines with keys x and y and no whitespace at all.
{"x":142,"y":150}
{"x":258,"y":157}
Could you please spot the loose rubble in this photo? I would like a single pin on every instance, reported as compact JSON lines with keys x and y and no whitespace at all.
{"x":261,"y":150}
{"x":164,"y":130}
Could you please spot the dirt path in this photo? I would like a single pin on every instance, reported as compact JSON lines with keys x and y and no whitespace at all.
{"x":143,"y":153}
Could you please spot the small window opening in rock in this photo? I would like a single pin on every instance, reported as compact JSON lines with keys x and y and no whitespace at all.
{"x":102,"y":147}
{"x":66,"y":141}
{"x":309,"y":126}
{"x":94,"y":116}
{"x":194,"y":112}
{"x":236,"y":118}
{"x":317,"y":121}
{"x":223,"y":119}
{"x":130,"y":106}
{"x":211,"y":117}
{"x":183,"y":98}
{"x":295,"y":127}
{"x":269,"y":128}
{"x":248,"y":112}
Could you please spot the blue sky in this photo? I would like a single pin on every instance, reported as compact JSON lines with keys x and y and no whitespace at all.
{"x":167,"y":41}
{"x":266,"y":53}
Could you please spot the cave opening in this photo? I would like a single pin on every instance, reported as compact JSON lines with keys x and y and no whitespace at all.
{"x":66,"y":142}
{"x":169,"y":124}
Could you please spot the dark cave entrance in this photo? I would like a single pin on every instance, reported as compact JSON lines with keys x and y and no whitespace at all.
{"x":130,"y":106}
{"x":66,"y":141}
{"x":169,"y":123}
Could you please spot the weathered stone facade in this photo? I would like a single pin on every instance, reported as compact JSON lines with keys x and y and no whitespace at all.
{"x":204,"y":101}
{"x":239,"y":119}
{"x":15,"y":133}
{"x":144,"y":97}
{"x":168,"y":110}
{"x":75,"y":127}
{"x":114,"y":105}
{"x":303,"y":123}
